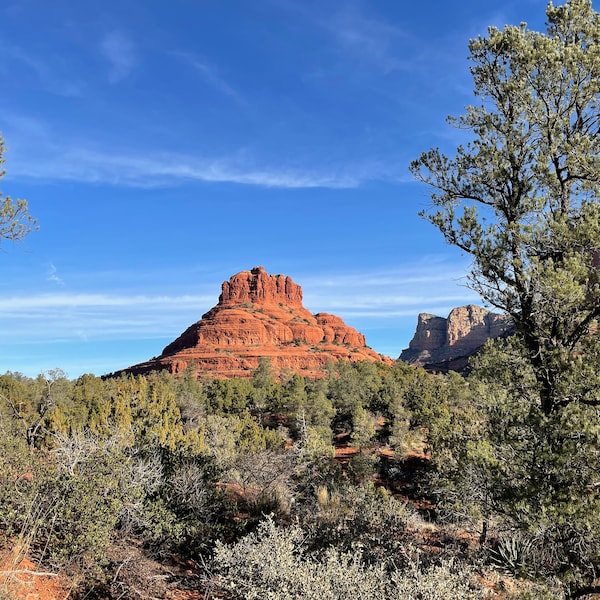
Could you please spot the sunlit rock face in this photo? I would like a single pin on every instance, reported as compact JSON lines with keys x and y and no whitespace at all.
{"x":261,"y":316}
{"x":442,"y":344}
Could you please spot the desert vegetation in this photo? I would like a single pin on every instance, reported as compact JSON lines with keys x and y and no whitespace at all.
{"x":375,"y":481}
{"x":372,"y":481}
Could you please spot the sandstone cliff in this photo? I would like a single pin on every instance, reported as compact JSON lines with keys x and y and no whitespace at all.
{"x":260,"y":315}
{"x":442,"y":344}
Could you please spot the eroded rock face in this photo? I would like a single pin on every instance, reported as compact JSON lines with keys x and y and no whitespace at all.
{"x":261,"y":315}
{"x":469,"y":327}
{"x":447,"y":343}
{"x":430,"y":334}
{"x":258,"y":287}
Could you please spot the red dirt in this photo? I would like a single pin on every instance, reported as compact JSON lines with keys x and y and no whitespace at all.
{"x":21,"y":579}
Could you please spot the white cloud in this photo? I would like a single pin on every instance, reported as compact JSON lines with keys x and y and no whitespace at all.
{"x":210,"y":74}
{"x":95,"y":317}
{"x":72,"y":329}
{"x":139,"y":170}
{"x":376,"y":295}
{"x":36,"y":154}
{"x":53,"y":78}
{"x":425,"y":287}
{"x":64,"y":300}
{"x":371,"y":40}
{"x":119,"y":51}
{"x":53,"y":276}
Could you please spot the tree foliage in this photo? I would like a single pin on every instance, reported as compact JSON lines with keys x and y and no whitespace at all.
{"x":522,"y":198}
{"x":15,"y":221}
{"x":179,"y":464}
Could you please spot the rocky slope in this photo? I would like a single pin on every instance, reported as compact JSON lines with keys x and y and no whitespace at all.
{"x":442,"y":344}
{"x":261,"y":315}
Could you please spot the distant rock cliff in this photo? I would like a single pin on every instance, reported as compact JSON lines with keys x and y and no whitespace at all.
{"x":441,"y":344}
{"x":260,"y":315}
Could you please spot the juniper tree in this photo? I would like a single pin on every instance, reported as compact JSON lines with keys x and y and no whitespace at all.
{"x":521,"y":199}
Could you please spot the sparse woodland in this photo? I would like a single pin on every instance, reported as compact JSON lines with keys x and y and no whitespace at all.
{"x":375,"y":481}
{"x":240,"y":479}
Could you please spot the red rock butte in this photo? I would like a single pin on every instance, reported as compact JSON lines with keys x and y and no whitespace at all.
{"x":261,"y":316}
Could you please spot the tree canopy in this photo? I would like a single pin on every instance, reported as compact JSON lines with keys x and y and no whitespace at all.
{"x":521,"y":199}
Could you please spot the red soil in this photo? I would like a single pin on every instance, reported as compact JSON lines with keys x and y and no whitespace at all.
{"x":21,"y":579}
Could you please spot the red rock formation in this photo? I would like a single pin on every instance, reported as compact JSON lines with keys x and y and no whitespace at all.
{"x":430,"y":334}
{"x":446,"y":344}
{"x":470,"y":326}
{"x":257,"y":286}
{"x":261,"y":315}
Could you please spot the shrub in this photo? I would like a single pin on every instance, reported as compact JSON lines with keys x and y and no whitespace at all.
{"x":273,"y":564}
{"x":347,"y":516}
{"x":265,"y":481}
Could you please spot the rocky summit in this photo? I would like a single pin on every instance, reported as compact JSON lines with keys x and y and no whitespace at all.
{"x":261,"y":316}
{"x":443,"y":344}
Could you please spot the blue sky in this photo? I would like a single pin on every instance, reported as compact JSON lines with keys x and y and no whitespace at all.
{"x":165,"y":146}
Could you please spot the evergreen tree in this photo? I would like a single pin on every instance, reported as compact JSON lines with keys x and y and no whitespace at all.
{"x":522,"y":199}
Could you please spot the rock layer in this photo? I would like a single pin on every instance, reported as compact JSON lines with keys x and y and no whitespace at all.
{"x":442,"y":344}
{"x":261,"y":316}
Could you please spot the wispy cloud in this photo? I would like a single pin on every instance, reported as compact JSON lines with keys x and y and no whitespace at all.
{"x":370,"y":40}
{"x":85,"y":300}
{"x":149,"y":171}
{"x":432,"y":286}
{"x":368,"y":295}
{"x":131,"y":327}
{"x":119,"y":51}
{"x":97,"y":316}
{"x":210,"y":74}
{"x":52,"y":275}
{"x":52,"y":78}
{"x":35,"y":153}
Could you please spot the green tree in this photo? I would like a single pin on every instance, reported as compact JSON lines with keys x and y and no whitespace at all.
{"x":293,"y":394}
{"x":521,"y":200}
{"x":15,"y":221}
{"x":265,"y":390}
{"x":535,"y":473}
{"x":33,"y":401}
{"x":228,"y":395}
{"x":91,"y":397}
{"x":190,"y":397}
{"x":156,"y":416}
{"x":319,"y":409}
{"x":352,"y":385}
